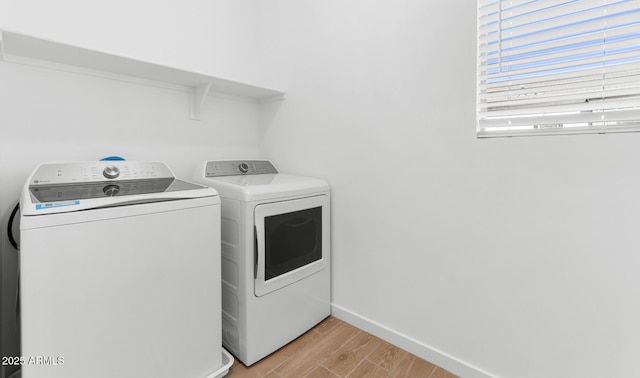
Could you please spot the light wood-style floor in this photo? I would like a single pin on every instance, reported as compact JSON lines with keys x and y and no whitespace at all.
{"x":334,"y":348}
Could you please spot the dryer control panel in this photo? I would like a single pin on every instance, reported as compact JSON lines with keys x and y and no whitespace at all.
{"x":238,"y":167}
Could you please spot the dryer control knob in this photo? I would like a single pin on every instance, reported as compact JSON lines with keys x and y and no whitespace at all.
{"x":111,"y":172}
{"x":243,"y":167}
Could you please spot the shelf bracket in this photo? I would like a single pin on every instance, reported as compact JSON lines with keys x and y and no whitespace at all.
{"x":198,"y":96}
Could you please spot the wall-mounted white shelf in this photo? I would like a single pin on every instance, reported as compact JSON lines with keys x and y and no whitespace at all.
{"x":18,"y":48}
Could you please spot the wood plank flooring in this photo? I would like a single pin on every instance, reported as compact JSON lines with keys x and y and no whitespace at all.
{"x":334,"y":348}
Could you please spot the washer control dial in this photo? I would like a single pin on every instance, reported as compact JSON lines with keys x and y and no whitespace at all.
{"x":243,"y":167}
{"x":111,"y":172}
{"x":111,"y":190}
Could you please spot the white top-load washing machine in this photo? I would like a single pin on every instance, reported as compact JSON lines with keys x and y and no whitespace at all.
{"x":120,"y":273}
{"x":275,"y":255}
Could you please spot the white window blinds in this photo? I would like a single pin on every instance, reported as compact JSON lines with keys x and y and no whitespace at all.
{"x":558,"y":66}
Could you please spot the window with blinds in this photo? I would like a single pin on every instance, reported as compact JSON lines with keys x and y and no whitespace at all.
{"x":558,"y":66}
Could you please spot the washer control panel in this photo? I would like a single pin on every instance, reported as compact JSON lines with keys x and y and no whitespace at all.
{"x":65,"y":173}
{"x":238,"y":167}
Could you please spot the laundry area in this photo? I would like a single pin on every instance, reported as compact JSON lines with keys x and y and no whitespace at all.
{"x":343,"y":130}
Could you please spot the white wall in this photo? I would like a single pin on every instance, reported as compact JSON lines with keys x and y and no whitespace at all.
{"x":209,"y":36}
{"x":48,"y":115}
{"x":506,"y":257}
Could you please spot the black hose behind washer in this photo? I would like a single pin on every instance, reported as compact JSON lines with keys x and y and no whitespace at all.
{"x":10,"y":227}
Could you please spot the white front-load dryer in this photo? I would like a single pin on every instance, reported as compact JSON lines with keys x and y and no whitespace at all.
{"x":275,"y":255}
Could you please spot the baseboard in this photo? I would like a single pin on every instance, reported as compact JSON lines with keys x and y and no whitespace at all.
{"x":405,"y":342}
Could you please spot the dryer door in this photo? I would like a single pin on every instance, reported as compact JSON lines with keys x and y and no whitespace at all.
{"x":292,"y":241}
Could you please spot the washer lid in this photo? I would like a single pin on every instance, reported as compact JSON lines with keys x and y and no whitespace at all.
{"x":66,"y":187}
{"x":266,"y":186}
